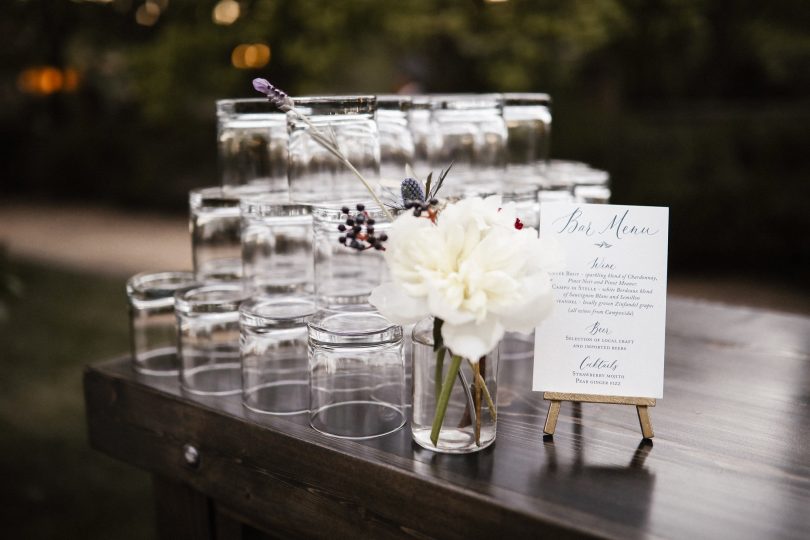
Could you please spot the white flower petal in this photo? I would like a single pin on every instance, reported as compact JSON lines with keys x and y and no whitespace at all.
{"x":535,"y":304}
{"x":396,"y":305}
{"x":471,"y":340}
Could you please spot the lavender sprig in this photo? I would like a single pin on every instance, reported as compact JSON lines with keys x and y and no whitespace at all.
{"x":328,"y":140}
{"x":276,"y":96}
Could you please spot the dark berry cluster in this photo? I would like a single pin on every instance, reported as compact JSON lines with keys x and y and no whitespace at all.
{"x":420,"y":207}
{"x":359,"y":229}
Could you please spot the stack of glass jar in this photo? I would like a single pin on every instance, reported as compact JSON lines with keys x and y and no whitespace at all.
{"x":276,"y":309}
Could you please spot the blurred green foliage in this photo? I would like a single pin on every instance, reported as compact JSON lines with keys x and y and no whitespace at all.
{"x":54,"y":485}
{"x":702,"y":105}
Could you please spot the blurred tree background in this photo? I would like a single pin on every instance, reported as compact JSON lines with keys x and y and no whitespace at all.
{"x":701,"y":105}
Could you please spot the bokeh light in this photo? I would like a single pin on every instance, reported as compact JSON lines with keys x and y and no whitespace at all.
{"x":225,"y":12}
{"x":250,"y":56}
{"x":46,"y":80}
{"x":147,"y":13}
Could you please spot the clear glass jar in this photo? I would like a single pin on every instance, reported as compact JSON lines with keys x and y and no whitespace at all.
{"x":215,"y":234}
{"x":396,"y":140}
{"x":564,"y":174}
{"x":471,"y":134}
{"x":252,"y":144}
{"x":592,"y":194}
{"x":424,"y":138}
{"x":208,"y":327}
{"x":273,"y":349}
{"x":152,"y":324}
{"x":528,"y":122}
{"x":357,"y":374}
{"x":315,"y":174}
{"x":276,"y":246}
{"x":343,"y":275}
{"x":468,"y":410}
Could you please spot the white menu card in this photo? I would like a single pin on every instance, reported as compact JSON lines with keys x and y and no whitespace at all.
{"x":606,"y":333}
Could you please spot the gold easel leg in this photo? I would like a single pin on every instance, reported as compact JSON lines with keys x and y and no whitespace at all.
{"x":644,"y":420}
{"x":551,"y":418}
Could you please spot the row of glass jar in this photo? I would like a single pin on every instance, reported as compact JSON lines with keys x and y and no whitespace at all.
{"x":480,"y":133}
{"x":284,"y":356}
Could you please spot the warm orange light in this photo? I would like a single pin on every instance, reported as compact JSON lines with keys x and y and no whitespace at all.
{"x":50,"y":80}
{"x":225,"y":12}
{"x":47,"y":80}
{"x":250,"y":56}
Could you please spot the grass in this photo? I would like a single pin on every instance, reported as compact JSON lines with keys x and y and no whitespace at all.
{"x":54,"y":484}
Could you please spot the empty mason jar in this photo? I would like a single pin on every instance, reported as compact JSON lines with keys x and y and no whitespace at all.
{"x":208,"y":324}
{"x":357,"y":374}
{"x":273,"y":348}
{"x":252,"y":144}
{"x":396,"y":139}
{"x":343,"y":275}
{"x":315,"y":174}
{"x":528,"y":122}
{"x":276,"y":246}
{"x":592,"y":194}
{"x":424,"y":138}
{"x":215,"y":234}
{"x":153,"y":327}
{"x":471,"y":134}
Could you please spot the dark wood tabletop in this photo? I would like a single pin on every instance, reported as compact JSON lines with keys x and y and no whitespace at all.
{"x":730,"y":457}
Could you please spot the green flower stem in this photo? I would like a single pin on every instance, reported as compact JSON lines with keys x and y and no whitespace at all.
{"x":437,"y":375}
{"x":444,"y":398}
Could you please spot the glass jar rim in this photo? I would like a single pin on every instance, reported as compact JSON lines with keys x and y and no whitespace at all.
{"x":339,"y":328}
{"x":335,"y":105}
{"x":239,"y":106}
{"x":466,"y":102}
{"x":211,"y":298}
{"x":158,"y":288}
{"x":269,"y":205}
{"x":334,"y":212}
{"x":519,"y":99}
{"x":394,"y":102}
{"x":277,"y":311}
{"x":223,"y":197}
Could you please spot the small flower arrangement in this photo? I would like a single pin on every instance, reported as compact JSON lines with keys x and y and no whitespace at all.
{"x":472,"y":265}
{"x":477,"y":270}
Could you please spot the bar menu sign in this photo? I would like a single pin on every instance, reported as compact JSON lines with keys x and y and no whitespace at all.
{"x":606,"y":334}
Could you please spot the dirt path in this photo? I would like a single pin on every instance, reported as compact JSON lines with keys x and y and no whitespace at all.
{"x":95,"y":239}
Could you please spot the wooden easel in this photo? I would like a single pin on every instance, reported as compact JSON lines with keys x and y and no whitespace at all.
{"x":641,"y":407}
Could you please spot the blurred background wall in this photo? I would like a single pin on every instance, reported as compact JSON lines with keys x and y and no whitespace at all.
{"x":700,"y":105}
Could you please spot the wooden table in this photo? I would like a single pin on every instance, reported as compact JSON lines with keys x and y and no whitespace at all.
{"x":731,"y":456}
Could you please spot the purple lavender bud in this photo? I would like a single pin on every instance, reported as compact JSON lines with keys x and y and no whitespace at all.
{"x":262,"y":86}
{"x":274,"y":95}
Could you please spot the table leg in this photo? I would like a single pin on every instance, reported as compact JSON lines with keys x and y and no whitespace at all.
{"x":182,"y":512}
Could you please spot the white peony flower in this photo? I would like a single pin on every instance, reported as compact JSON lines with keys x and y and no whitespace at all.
{"x":473,"y":269}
